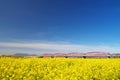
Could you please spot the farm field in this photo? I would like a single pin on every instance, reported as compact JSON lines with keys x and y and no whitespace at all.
{"x":59,"y":69}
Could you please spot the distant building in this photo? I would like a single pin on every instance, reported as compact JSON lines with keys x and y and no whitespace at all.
{"x":97,"y":54}
{"x":115,"y":55}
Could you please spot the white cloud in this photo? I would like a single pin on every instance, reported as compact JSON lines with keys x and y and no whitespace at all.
{"x":39,"y":47}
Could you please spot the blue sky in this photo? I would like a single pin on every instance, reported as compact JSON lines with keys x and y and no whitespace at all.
{"x":79,"y":25}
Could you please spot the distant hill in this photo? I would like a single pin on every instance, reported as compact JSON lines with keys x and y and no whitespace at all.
{"x":24,"y":54}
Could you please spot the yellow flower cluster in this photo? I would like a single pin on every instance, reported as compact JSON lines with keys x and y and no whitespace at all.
{"x":59,"y":69}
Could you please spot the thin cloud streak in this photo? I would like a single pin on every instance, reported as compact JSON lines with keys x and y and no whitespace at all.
{"x":55,"y":47}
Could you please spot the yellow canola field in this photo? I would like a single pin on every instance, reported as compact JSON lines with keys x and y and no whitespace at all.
{"x":59,"y":69}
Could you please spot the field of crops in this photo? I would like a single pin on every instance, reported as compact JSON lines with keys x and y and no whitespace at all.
{"x":59,"y":69}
